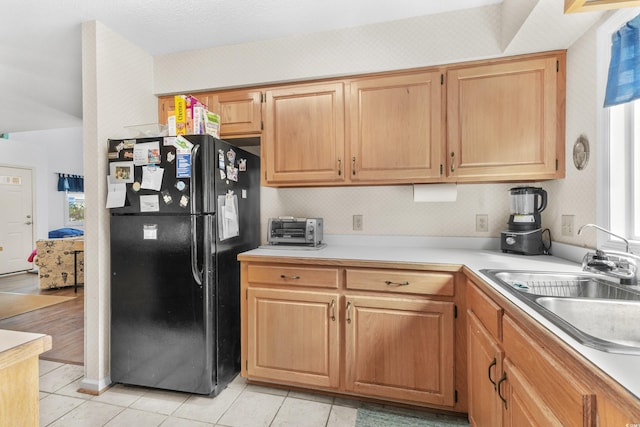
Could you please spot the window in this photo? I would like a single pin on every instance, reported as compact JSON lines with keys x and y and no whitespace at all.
{"x":619,"y":170}
{"x":74,"y":209}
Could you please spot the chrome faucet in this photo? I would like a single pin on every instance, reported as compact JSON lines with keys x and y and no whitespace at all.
{"x":620,"y":265}
{"x":606,"y":231}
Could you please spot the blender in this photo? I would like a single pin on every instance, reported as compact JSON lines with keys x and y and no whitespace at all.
{"x":524,"y":235}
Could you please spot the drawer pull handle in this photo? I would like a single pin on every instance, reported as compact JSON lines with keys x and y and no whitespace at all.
{"x":348,"y":312}
{"x":493,"y":363}
{"x":333,"y":310}
{"x":503,"y":379}
{"x":282,"y":276}
{"x":390,"y":283}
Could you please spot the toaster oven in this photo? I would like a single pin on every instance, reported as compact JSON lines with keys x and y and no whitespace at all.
{"x":295,"y":231}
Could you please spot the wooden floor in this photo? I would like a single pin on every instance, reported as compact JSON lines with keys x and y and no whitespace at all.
{"x":64,"y":321}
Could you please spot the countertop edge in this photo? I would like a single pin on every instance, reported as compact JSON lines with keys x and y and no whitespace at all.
{"x":18,"y":346}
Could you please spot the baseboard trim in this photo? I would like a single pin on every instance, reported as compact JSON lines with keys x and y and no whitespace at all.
{"x":94,"y":387}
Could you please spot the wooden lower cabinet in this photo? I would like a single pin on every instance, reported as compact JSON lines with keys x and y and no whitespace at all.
{"x":484,"y":365}
{"x":512,"y":370}
{"x":400,"y":348}
{"x":304,"y":326}
{"x":521,"y":401}
{"x":293,"y":336}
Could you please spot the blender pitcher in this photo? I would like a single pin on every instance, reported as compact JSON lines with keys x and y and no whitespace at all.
{"x":526,"y":205}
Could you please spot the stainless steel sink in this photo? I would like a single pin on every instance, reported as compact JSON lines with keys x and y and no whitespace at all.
{"x":603,"y":324}
{"x":573,"y":285}
{"x":596,"y":311}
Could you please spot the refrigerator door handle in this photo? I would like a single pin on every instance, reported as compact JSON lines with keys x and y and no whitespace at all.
{"x":194,"y":178}
{"x":195,"y":270}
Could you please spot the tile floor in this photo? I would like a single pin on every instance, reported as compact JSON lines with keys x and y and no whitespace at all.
{"x":240,"y":404}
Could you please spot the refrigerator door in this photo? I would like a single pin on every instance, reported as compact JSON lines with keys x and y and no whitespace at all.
{"x":162,"y":319}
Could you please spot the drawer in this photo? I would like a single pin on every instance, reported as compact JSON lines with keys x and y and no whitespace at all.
{"x":485,"y":309}
{"x":409,"y":282}
{"x":321,"y":277}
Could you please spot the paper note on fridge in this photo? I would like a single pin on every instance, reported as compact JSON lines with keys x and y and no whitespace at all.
{"x":146,"y":153}
{"x":116,"y":194}
{"x":228,"y":220}
{"x":150,"y":203}
{"x":152,"y":177}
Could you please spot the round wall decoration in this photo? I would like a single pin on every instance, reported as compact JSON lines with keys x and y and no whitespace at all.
{"x":581,"y":152}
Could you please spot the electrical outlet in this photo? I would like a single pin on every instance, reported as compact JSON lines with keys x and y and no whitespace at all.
{"x":567,"y":225}
{"x":357,"y":223}
{"x":482,"y":223}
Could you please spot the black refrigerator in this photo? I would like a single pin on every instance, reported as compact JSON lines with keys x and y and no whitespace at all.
{"x":186,"y":207}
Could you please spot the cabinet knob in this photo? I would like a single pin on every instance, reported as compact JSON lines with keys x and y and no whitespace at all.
{"x":282,"y":276}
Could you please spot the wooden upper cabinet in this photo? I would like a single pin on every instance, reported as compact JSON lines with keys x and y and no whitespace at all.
{"x":303,"y":141}
{"x":240,"y":111}
{"x":505,"y":120}
{"x":396,"y":128}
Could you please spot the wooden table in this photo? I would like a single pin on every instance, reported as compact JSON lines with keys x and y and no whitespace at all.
{"x":19,"y":377}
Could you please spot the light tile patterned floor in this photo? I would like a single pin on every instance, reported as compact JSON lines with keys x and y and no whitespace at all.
{"x":239,"y":405}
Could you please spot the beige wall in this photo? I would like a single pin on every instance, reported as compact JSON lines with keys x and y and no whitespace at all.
{"x":116,"y":80}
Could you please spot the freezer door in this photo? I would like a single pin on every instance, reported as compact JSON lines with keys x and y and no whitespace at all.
{"x":181,"y":189}
{"x":162,"y":319}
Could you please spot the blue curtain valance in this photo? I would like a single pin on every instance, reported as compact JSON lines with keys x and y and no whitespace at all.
{"x":72,"y":183}
{"x":623,"y":83}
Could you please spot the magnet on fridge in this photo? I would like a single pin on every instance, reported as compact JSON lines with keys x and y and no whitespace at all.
{"x":232,"y":173}
{"x":222,"y":174}
{"x":135,"y":186}
{"x":180,"y":185}
{"x":184,"y":201}
{"x":166,"y":197}
{"x":242,"y":165}
{"x":231,"y":156}
{"x":220,"y":159}
{"x":170,"y":157}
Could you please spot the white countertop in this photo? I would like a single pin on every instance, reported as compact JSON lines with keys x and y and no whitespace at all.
{"x":484,"y":254}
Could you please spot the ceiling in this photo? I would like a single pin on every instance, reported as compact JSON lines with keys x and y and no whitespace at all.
{"x":40,"y":41}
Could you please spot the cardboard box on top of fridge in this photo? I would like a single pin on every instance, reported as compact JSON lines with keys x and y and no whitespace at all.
{"x":191,"y":117}
{"x":212,"y":124}
{"x":181,"y":114}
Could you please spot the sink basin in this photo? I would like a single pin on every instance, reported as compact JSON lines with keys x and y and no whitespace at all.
{"x":573,"y":285}
{"x":603,"y":324}
{"x":596,"y":311}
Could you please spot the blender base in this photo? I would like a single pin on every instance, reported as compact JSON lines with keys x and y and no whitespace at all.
{"x":522,"y":242}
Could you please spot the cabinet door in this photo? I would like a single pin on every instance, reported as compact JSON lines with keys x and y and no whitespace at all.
{"x":400,"y":348}
{"x":484,"y":369}
{"x":522,"y":402}
{"x":396,"y":128}
{"x":555,"y":389}
{"x":506,"y":121}
{"x":304,"y":134}
{"x":293,"y":337}
{"x":240,"y":112}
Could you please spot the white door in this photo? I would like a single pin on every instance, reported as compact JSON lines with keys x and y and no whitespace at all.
{"x":16,"y":219}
